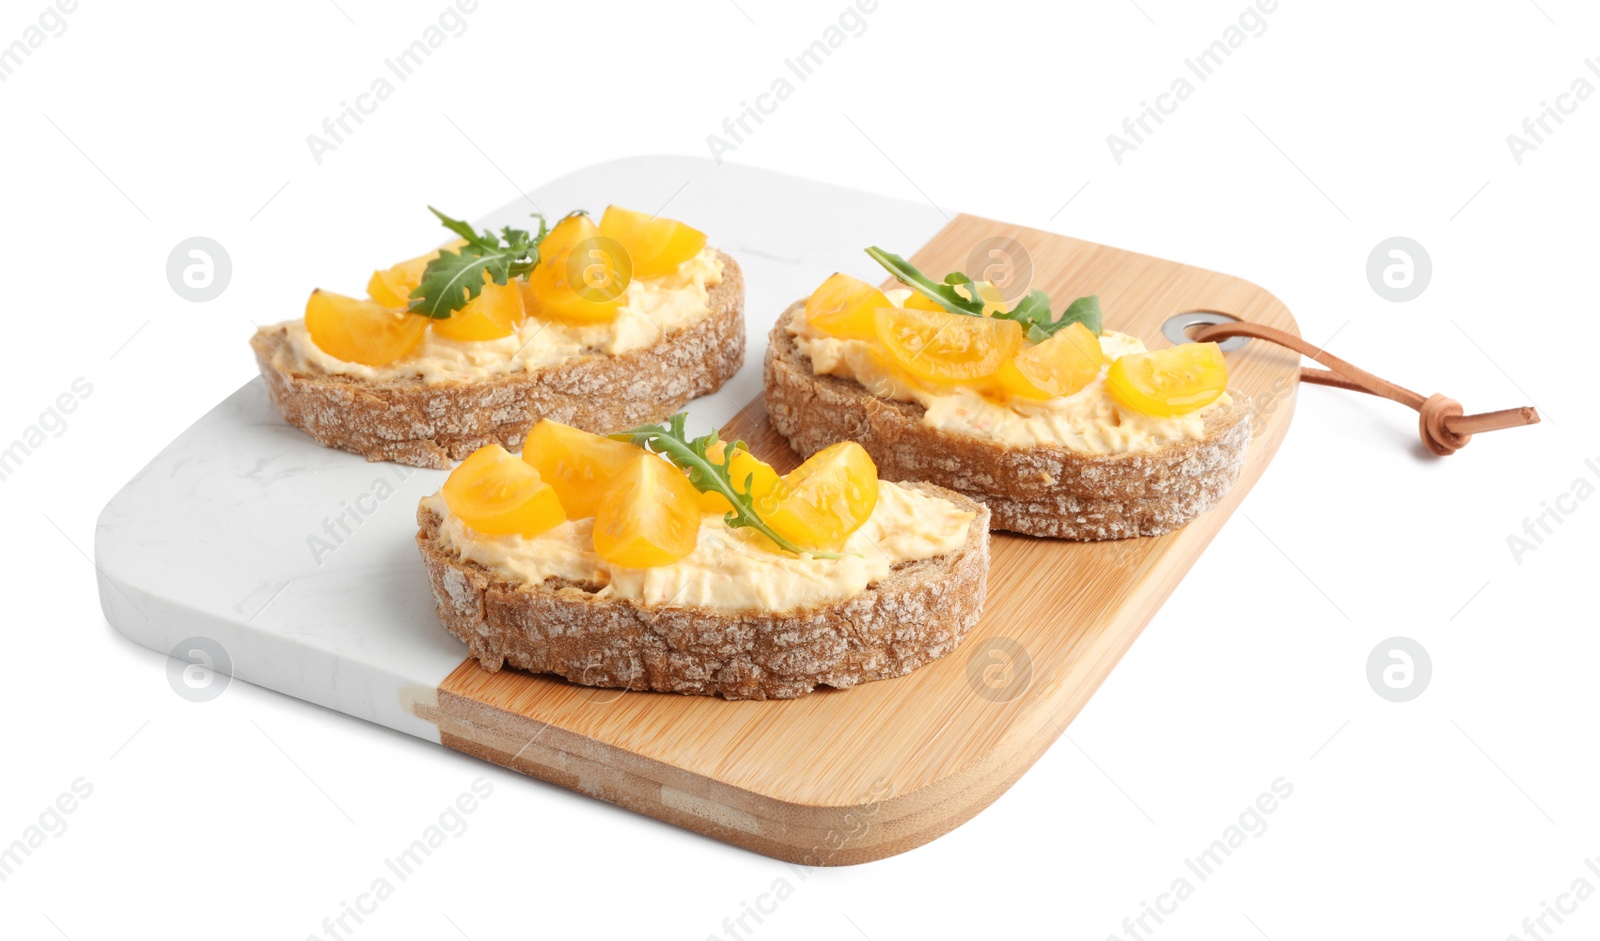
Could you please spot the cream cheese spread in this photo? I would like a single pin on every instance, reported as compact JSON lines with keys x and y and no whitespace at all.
{"x":1089,"y":421}
{"x":653,"y":308}
{"x":730,"y":570}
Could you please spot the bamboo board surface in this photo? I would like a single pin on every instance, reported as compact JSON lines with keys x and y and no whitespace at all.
{"x":846,"y":776}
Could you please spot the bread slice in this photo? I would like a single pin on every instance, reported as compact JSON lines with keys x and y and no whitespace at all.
{"x":916,"y":615}
{"x":412,"y":422}
{"x":1042,"y":490}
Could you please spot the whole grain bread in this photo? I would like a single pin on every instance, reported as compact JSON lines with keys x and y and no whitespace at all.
{"x":1042,"y":490}
{"x":916,"y":615}
{"x":409,"y":421}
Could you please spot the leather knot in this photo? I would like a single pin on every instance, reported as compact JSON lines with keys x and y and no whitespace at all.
{"x":1435,"y":412}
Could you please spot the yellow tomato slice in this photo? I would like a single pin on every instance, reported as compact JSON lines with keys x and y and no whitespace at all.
{"x":579,"y":465}
{"x":993,"y":300}
{"x":1173,"y":381}
{"x":648,"y":516}
{"x":582,"y":276}
{"x":567,"y":234}
{"x":746,"y":466}
{"x":657,"y":246}
{"x":945,"y":348}
{"x":496,"y":494}
{"x":493,"y":314}
{"x":918,"y":301}
{"x":820,"y":503}
{"x":845,"y":307}
{"x":1061,"y":365}
{"x":364,"y":332}
{"x":392,"y":287}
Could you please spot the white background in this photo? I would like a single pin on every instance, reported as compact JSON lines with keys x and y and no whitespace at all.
{"x":1455,"y":815}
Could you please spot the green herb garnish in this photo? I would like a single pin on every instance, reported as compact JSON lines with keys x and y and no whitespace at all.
{"x":958,"y":294}
{"x":673,"y":443}
{"x":456,"y":277}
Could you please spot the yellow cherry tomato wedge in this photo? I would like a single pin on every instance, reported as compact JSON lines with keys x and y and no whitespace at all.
{"x":945,"y":348}
{"x":493,"y":314}
{"x":919,"y":301}
{"x":579,"y":465}
{"x":1059,"y":366}
{"x":657,"y":246}
{"x":820,"y":503}
{"x":582,"y":276}
{"x":495,"y":493}
{"x":392,"y":287}
{"x":845,"y":307}
{"x":568,"y":232}
{"x":649,"y":515}
{"x":1173,"y":381}
{"x":993,"y":300}
{"x":746,"y":466}
{"x":359,"y":331}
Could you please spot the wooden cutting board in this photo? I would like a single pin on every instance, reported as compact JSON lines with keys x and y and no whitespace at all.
{"x":294,"y":567}
{"x":846,"y":776}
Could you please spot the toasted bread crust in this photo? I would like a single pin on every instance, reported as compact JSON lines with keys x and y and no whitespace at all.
{"x":1041,"y":491}
{"x":916,"y":615}
{"x":411,"y":422}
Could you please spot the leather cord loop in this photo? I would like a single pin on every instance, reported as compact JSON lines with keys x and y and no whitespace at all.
{"x":1443,"y":423}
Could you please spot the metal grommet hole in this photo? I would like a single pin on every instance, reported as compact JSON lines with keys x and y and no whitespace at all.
{"x":1176,"y":328}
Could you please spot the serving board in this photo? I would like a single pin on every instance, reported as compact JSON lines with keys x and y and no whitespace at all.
{"x":298,"y":561}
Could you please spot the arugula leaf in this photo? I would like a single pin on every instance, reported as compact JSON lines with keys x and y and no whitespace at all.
{"x":455,"y":277}
{"x":457,"y":226}
{"x":944,"y":294}
{"x":1033,"y":311}
{"x":671,"y":441}
{"x":1084,"y":310}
